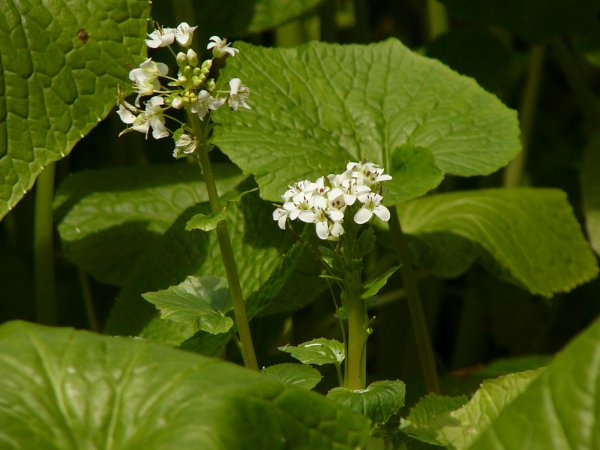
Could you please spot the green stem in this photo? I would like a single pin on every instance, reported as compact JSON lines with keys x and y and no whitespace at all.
{"x":513,"y":174}
{"x":340,"y":377}
{"x":43,"y":243}
{"x":437,"y":19}
{"x":237,"y":298}
{"x":88,"y":301}
{"x":415,"y":306}
{"x":358,"y":326}
{"x":356,"y":310}
{"x":572,"y":68}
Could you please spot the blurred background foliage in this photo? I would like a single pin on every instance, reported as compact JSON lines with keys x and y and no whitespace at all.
{"x":540,"y":57}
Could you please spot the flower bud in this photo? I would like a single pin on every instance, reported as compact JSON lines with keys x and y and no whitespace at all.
{"x":206,"y":65}
{"x":177,"y":102}
{"x":181,"y":59}
{"x":211,"y":84}
{"x":182,"y":79}
{"x":197,"y":81}
{"x":192,"y":58}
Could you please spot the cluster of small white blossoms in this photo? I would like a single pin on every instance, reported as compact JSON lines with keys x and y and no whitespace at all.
{"x":191,"y":89}
{"x":324,"y":201}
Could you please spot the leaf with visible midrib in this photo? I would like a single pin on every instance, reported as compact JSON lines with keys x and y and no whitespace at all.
{"x":318,"y":106}
{"x":63,"y":389}
{"x":60,"y":66}
{"x":531,"y":234}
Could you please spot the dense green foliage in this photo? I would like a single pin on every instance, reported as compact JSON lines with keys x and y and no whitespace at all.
{"x":485,"y":116}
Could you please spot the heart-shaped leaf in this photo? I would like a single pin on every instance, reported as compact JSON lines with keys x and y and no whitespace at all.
{"x":318,"y":106}
{"x":531,"y":234}
{"x":61,"y":65}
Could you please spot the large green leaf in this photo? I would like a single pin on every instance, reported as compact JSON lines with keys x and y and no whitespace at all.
{"x":429,"y":415}
{"x":531,"y":19}
{"x":108,"y":218}
{"x":531,"y":234}
{"x":448,"y":421}
{"x":128,"y":227}
{"x":590,"y":187}
{"x":69,"y":390}
{"x":316,"y":107}
{"x":559,"y":410}
{"x":60,"y":67}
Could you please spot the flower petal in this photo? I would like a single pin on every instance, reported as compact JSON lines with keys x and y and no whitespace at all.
{"x":363,"y":215}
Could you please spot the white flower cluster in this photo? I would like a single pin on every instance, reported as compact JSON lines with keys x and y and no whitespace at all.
{"x":324,"y":201}
{"x":192,"y":89}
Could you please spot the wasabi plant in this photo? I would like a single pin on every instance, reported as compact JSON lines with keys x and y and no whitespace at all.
{"x":342,"y":206}
{"x":194,"y":90}
{"x":335,"y":216}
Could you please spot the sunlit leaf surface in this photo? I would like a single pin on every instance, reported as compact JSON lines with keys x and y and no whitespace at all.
{"x":60,"y":67}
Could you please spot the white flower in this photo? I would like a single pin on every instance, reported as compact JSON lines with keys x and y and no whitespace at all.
{"x":204,"y":103}
{"x":367,"y":173}
{"x":300,"y":207}
{"x":280,"y":215}
{"x":145,"y":77}
{"x":301,"y":186}
{"x":220,"y":47}
{"x":324,"y":202}
{"x":183,"y":34}
{"x":161,"y":37}
{"x":184,"y":146}
{"x":328,"y":224}
{"x":151,"y":117}
{"x":371,"y":205}
{"x":126,"y":112}
{"x":238,"y":94}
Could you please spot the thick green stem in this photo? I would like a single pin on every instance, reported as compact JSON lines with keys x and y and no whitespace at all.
{"x":237,"y":298}
{"x":43,"y":243}
{"x":358,"y":333}
{"x":355,"y":376}
{"x":437,"y":19}
{"x":513,"y":174}
{"x":414,"y":305}
{"x":572,"y":68}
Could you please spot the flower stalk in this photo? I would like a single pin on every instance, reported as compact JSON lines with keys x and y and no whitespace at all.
{"x":339,"y":205}
{"x":415,"y":306}
{"x":358,"y":318}
{"x":193,"y":91}
{"x":200,"y":130}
